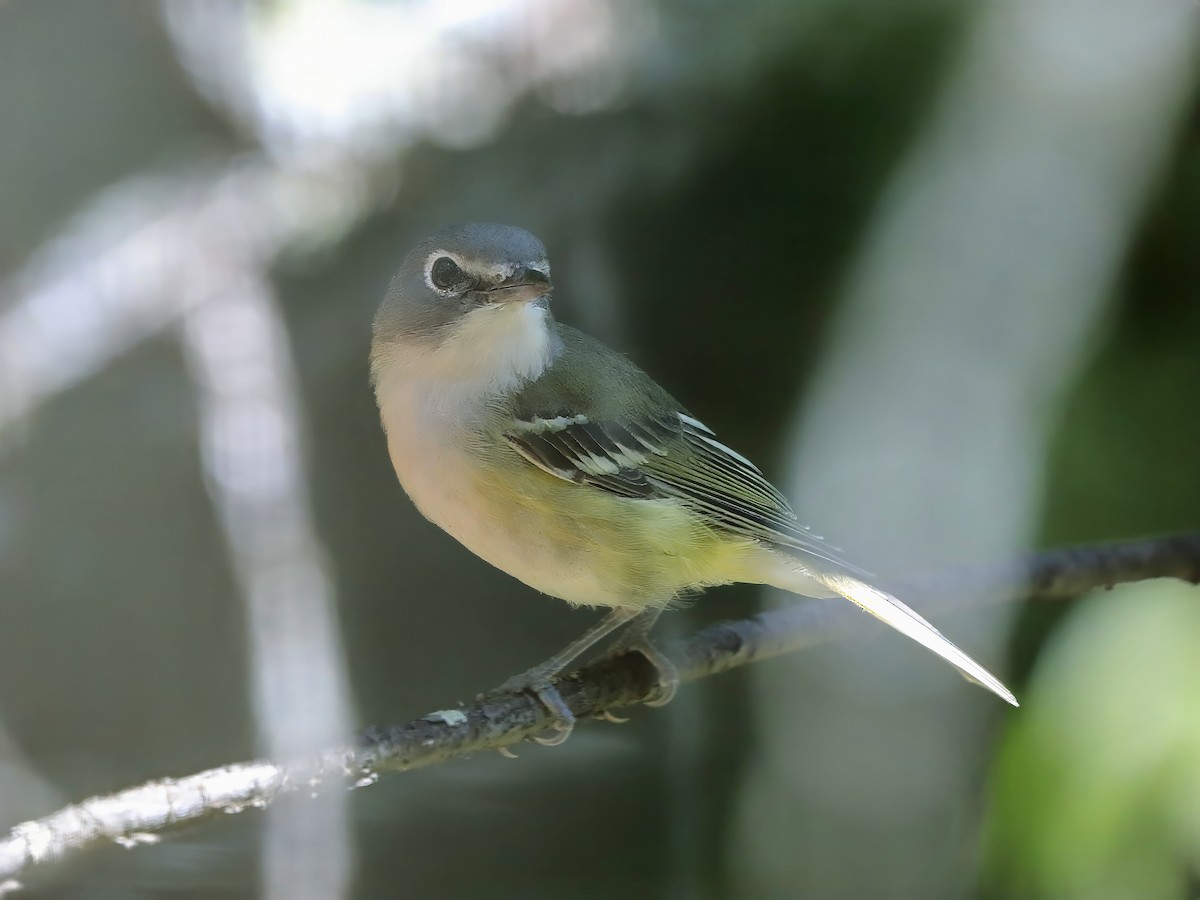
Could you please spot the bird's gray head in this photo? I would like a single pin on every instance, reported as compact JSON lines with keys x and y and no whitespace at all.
{"x":467,"y":289}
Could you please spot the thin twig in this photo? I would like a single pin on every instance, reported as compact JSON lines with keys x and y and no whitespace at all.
{"x":138,"y":815}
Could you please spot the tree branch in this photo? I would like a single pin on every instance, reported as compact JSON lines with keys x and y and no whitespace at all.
{"x":138,"y":815}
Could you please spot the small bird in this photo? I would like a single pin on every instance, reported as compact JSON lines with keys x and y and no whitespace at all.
{"x":560,"y":462}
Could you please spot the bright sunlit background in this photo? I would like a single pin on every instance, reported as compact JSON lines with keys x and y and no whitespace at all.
{"x":935,"y":264}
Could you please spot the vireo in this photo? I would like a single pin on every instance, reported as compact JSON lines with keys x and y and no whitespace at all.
{"x":560,"y":462}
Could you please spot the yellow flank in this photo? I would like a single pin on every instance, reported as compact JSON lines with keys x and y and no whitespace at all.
{"x":603,"y":549}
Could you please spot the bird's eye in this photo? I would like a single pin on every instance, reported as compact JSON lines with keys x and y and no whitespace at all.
{"x":445,"y":273}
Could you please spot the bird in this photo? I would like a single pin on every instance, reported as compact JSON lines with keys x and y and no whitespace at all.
{"x":560,"y":462}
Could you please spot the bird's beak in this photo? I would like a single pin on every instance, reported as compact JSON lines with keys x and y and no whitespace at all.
{"x":521,"y":286}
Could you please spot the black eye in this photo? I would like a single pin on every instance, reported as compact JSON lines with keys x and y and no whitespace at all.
{"x":445,"y":273}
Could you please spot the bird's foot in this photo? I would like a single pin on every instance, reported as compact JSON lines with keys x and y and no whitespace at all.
{"x":538,"y":683}
{"x":668,"y":675}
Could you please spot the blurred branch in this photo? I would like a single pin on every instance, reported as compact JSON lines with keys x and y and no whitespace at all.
{"x":133,"y":817}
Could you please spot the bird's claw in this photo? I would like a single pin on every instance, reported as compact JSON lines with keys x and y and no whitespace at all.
{"x":609,"y":717}
{"x":564,"y":719}
{"x":548,"y":695}
{"x":667,"y":688}
{"x":563,"y":730}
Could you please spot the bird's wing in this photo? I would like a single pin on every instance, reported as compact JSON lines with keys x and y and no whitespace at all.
{"x":670,"y":455}
{"x":673,"y":456}
{"x":597,"y":420}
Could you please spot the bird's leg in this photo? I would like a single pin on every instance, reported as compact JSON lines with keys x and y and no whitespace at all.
{"x":637,"y":637}
{"x":539,"y":679}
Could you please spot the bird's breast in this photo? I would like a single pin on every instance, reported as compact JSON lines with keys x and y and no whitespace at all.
{"x":437,"y":457}
{"x":429,"y":442}
{"x":571,"y":541}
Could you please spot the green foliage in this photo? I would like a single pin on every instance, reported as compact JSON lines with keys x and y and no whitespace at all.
{"x":1097,"y":790}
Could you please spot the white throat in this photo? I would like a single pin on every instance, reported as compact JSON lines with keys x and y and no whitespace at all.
{"x":492,"y":350}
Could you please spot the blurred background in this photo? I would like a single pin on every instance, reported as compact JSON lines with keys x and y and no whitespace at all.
{"x":934,"y":264}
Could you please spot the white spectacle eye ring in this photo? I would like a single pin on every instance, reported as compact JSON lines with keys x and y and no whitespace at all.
{"x":443,"y":272}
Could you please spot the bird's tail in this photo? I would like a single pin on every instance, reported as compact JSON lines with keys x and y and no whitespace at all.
{"x":888,"y":609}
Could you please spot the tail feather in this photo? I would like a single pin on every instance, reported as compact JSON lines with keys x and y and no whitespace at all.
{"x":888,"y":609}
